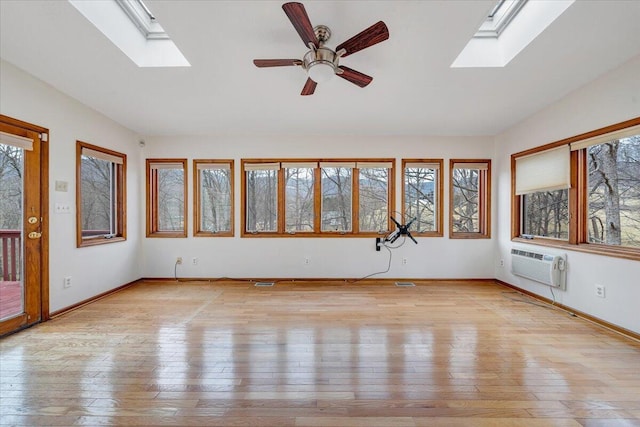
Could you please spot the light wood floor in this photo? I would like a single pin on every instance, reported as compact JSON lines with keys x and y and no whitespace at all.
{"x":309,"y":354}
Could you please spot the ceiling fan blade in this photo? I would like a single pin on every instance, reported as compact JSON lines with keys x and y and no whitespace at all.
{"x":355,"y":77}
{"x":261,"y":63}
{"x":300,"y":20}
{"x":375,"y":34}
{"x":309,"y":87}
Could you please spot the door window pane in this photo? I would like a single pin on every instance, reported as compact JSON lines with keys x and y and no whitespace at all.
{"x":11,"y":202}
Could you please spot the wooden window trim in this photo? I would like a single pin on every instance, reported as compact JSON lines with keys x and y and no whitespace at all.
{"x":197,"y":232}
{"x":317,"y":199}
{"x":120,"y":198}
{"x":439,"y":231}
{"x":152,"y":202}
{"x":484,"y":201}
{"x":577,"y":201}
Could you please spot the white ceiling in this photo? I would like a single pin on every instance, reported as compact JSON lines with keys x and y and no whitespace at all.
{"x":414,"y":91}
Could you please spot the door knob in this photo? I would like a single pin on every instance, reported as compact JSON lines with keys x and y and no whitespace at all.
{"x":35,"y":235}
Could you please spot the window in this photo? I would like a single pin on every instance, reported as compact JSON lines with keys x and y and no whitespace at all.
{"x":422,"y":196}
{"x":610,"y":166}
{"x":299,"y":196}
{"x":600,"y":212}
{"x":316,"y":198}
{"x":166,"y":198}
{"x":469,"y":201}
{"x":337,"y":181}
{"x":213,"y":194}
{"x":262,"y":197}
{"x":373,"y":212}
{"x":100,"y":194}
{"x":543,"y":181}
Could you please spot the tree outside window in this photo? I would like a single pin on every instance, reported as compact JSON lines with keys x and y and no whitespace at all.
{"x":100,"y":191}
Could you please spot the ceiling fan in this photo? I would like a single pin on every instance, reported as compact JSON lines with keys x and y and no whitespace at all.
{"x":320,"y":62}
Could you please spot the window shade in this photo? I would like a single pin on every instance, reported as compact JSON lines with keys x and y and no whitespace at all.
{"x":348,"y":165}
{"x":544,"y":171}
{"x":374,"y":165}
{"x":261,"y":166}
{"x":213,"y":166}
{"x":16,"y":141}
{"x":483,"y":166}
{"x":300,"y":165}
{"x":88,"y":152}
{"x":166,"y":166}
{"x":601,"y":139}
{"x":421,"y":166}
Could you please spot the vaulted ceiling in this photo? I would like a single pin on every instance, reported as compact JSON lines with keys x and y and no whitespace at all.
{"x":414,"y":91}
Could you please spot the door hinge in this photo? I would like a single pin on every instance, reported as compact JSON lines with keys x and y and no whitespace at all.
{"x":44,"y":137}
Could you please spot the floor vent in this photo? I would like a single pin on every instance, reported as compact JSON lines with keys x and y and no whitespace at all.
{"x":264,"y":284}
{"x":405,"y":284}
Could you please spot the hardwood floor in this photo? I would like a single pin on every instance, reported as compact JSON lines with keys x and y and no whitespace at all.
{"x":319,"y":354}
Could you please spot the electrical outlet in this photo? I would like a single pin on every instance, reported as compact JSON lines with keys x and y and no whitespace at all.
{"x":66,"y":282}
{"x":307,"y":261}
{"x":600,"y":291}
{"x":501,"y":263}
{"x":179,"y":260}
{"x":194,"y":261}
{"x":404,"y":261}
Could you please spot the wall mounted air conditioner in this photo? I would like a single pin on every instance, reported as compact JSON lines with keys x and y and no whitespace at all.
{"x":549,"y":269}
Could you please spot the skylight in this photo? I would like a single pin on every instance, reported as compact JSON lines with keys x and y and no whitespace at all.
{"x":131,"y":26}
{"x":142,"y":18}
{"x":510,"y":26}
{"x":500,"y":16}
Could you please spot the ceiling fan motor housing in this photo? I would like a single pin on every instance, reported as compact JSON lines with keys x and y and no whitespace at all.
{"x":321,"y":64}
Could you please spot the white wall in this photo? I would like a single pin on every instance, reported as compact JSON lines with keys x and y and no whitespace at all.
{"x":610,"y":99}
{"x":96,"y":269}
{"x":438,"y":257}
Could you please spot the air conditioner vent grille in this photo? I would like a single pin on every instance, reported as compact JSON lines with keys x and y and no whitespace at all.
{"x":549,"y":269}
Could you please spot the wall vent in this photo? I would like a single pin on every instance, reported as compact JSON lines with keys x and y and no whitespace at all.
{"x":549,"y":269}
{"x":405,"y":284}
{"x":264,"y":284}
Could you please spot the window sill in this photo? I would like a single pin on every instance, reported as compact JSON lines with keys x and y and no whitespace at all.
{"x":590,"y":248}
{"x":328,"y":234}
{"x":100,"y":241}
{"x":167,"y":234}
{"x":210,"y":234}
{"x":469,"y":236}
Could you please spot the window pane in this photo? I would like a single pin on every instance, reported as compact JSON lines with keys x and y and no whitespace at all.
{"x":546,"y":214}
{"x":170,"y":199}
{"x":11,"y":173}
{"x":97,"y":194}
{"x":336,"y":199}
{"x":299,"y":199}
{"x":262,"y":200}
{"x":215,"y":203}
{"x":420,"y":198}
{"x":613,"y":214}
{"x":465,"y":200}
{"x":374,"y":199}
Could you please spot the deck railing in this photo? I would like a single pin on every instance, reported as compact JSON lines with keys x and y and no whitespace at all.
{"x":10,"y":255}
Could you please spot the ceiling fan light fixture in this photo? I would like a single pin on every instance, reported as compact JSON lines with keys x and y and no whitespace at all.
{"x":320,"y":71}
{"x":321,"y":64}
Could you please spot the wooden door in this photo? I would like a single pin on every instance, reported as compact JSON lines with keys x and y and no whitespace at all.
{"x":23,"y":225}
